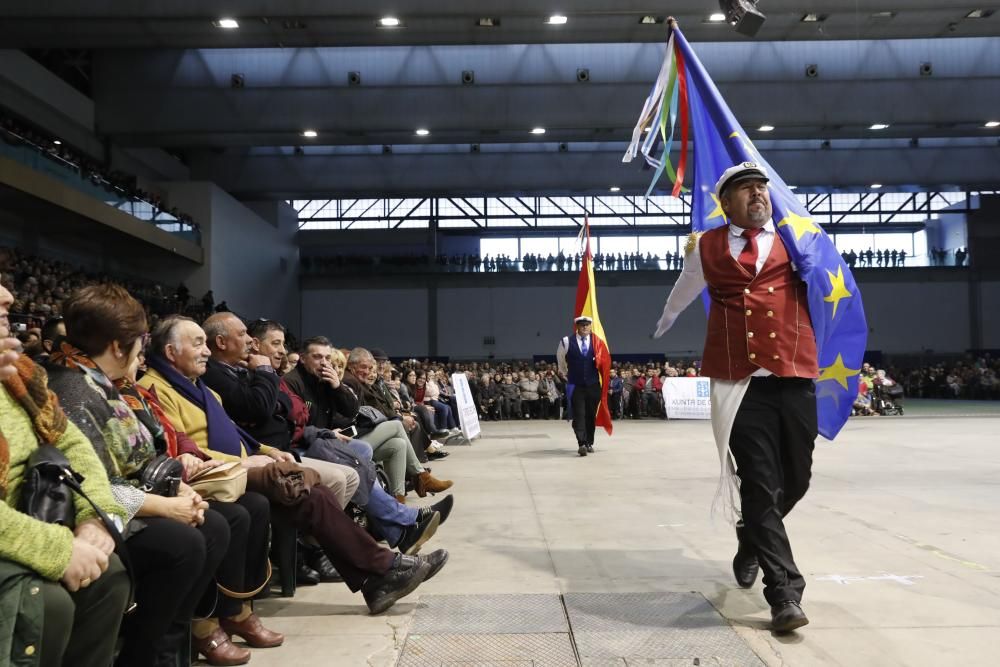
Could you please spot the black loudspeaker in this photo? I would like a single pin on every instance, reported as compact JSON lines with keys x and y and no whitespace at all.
{"x":926,"y":69}
{"x":564,"y":148}
{"x":474,"y":148}
{"x":468,"y":77}
{"x":354,"y":78}
{"x":583,"y":75}
{"x":386,"y":149}
{"x":237,"y":81}
{"x":812,"y":71}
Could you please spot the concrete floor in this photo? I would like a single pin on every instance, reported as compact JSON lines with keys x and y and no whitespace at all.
{"x":898,"y":538}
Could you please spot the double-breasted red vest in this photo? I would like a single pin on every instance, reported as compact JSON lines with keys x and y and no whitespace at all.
{"x":759,"y":321}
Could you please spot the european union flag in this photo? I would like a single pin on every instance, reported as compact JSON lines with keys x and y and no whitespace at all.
{"x":685,"y":95}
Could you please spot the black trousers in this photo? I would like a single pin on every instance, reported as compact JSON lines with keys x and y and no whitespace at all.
{"x":585,"y":401}
{"x":245,"y":563}
{"x":772,"y":441}
{"x":173,"y":564}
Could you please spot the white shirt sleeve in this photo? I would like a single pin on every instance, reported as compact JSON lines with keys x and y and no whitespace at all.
{"x":561,"y":355}
{"x":689,"y":285}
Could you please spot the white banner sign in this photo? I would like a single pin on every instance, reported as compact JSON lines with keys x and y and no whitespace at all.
{"x":467,"y":415}
{"x":687,"y":398}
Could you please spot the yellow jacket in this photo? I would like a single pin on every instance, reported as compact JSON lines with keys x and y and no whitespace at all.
{"x":187,"y":417}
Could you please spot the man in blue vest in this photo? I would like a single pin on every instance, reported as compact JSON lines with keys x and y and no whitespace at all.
{"x":576,"y":359}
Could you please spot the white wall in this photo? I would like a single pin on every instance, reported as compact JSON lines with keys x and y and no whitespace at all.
{"x":243,"y":253}
{"x":527,"y":320}
{"x":392,"y":319}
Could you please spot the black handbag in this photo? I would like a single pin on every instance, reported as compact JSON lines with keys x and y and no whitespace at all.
{"x":368,"y":418}
{"x":47,"y":495}
{"x":161,"y":476}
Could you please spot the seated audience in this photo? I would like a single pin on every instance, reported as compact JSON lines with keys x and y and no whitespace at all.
{"x":177,"y":360}
{"x":177,"y":544}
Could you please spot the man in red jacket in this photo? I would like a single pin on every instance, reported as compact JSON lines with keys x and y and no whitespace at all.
{"x":760,"y":352}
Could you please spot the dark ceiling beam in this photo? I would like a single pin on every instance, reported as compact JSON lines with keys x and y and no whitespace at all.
{"x":309,"y":177}
{"x":569,"y":112}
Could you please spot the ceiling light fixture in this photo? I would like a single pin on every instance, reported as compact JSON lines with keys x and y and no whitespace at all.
{"x":743,"y":15}
{"x":793,"y":187}
{"x":538,"y":130}
{"x":226,"y":24}
{"x":615,"y":188}
{"x":980,"y":14}
{"x":766,"y":128}
{"x":882,"y":15}
{"x":878,"y":126}
{"x":813,"y":18}
{"x":422,"y":132}
{"x":992,"y":123}
{"x":651,"y":20}
{"x":310,"y":134}
{"x":389,"y":22}
{"x":488,"y":22}
{"x":557,"y":19}
{"x":875,"y":186}
{"x":56,"y":142}
{"x":716,"y":18}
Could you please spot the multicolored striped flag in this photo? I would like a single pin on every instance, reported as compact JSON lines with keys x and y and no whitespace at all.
{"x":685,"y":96}
{"x":586,"y":304}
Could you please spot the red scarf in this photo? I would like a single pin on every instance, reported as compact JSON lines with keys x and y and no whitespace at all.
{"x":30,"y":388}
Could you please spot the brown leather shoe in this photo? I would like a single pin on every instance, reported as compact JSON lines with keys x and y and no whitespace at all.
{"x":401,"y":500}
{"x":425,"y":484}
{"x":253,"y":632}
{"x":219,"y":650}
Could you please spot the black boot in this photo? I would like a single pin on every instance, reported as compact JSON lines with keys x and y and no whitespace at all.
{"x":787,"y":616}
{"x":327,"y":572}
{"x":305,"y":575}
{"x":406,"y":573}
{"x":745,"y":565}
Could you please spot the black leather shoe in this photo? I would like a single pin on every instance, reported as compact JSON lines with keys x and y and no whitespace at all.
{"x":436,"y":559}
{"x":590,"y":449}
{"x":434,"y":456}
{"x":442,"y":507}
{"x":787,"y":616}
{"x":416,"y":535}
{"x":382,"y":591}
{"x":582,"y":450}
{"x":745,"y":565}
{"x":327,"y":572}
{"x":439,"y":434}
{"x":305,"y":575}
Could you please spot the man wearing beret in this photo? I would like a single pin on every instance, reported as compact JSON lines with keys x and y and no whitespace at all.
{"x":760,"y":351}
{"x":577,"y":361}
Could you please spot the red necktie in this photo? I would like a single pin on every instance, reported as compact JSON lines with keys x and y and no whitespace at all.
{"x":748,"y":256}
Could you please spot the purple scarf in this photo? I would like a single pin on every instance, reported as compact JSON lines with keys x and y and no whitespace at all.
{"x":223,"y":435}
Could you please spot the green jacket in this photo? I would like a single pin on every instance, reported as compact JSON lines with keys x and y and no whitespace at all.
{"x":21,"y":614}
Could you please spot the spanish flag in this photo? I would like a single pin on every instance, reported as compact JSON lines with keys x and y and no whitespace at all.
{"x":586,"y":304}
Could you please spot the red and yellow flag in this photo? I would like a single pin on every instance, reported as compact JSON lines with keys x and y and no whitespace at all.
{"x":586,"y":304}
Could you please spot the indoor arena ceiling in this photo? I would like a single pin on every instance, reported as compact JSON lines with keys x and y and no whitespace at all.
{"x":234,"y":103}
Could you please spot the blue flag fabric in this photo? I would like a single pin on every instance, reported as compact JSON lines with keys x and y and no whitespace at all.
{"x":835,"y":305}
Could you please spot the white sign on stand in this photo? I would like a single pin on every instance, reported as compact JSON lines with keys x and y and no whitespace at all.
{"x":687,"y":398}
{"x":467,"y":415}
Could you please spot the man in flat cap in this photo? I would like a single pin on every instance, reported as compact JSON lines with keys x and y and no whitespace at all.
{"x":760,"y":352}
{"x":578,"y":362}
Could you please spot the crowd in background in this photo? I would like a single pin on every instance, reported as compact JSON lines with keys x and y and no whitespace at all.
{"x":113,"y":181}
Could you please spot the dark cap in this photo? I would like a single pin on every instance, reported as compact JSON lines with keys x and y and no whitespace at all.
{"x":379,"y":354}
